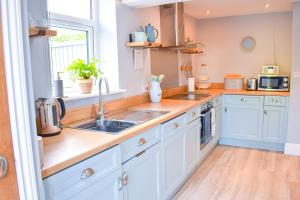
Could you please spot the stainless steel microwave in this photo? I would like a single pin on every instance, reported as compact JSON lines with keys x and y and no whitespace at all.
{"x":273,"y":82}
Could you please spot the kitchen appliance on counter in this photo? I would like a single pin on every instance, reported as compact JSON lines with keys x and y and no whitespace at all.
{"x":251,"y":84}
{"x":273,"y":83}
{"x":50,"y":113}
{"x":270,"y":70}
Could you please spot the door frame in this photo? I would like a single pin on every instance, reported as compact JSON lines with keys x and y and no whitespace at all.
{"x":20,"y":97}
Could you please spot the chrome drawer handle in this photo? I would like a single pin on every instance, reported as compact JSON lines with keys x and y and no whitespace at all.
{"x":243,"y":100}
{"x":142,"y":141}
{"x":275,"y":101}
{"x":87,"y":173}
{"x":3,"y":166}
{"x":124,"y":179}
{"x":175,"y":125}
{"x":265,"y":112}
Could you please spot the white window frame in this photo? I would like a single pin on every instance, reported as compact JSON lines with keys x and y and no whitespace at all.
{"x":91,"y":26}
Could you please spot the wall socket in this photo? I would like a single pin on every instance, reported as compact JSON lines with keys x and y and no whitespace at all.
{"x":296,"y":74}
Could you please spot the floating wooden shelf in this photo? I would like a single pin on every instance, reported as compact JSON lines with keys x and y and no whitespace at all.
{"x":192,"y":51}
{"x":143,"y":45}
{"x":41,"y":32}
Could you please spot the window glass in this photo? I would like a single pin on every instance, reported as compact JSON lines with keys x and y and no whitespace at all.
{"x":75,"y":8}
{"x":68,"y":45}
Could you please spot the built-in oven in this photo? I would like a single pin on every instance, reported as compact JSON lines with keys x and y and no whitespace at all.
{"x":273,"y":82}
{"x":206,"y":124}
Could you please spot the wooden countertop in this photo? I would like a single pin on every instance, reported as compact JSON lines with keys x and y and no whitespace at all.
{"x":73,"y":145}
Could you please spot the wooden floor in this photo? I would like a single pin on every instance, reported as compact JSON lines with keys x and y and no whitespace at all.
{"x":241,"y":174}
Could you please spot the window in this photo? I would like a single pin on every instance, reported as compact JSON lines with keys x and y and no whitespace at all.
{"x":75,"y":25}
{"x":75,"y":8}
{"x":64,"y":48}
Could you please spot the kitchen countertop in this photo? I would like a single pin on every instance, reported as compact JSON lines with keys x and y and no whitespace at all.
{"x":73,"y":145}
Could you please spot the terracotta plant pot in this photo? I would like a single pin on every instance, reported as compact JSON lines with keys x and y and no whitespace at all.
{"x":85,"y":86}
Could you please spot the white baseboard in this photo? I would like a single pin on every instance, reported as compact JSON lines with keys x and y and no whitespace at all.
{"x":292,"y":149}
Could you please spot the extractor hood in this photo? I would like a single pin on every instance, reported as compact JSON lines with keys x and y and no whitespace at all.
{"x":172,"y":29}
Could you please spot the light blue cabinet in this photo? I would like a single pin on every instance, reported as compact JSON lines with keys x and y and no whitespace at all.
{"x":142,"y":176}
{"x":108,"y":188}
{"x":192,"y":146}
{"x":255,"y":121}
{"x":274,"y":124}
{"x":98,"y":177}
{"x":173,"y":156}
{"x":243,"y":117}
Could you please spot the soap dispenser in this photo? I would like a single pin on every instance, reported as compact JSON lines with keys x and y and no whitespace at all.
{"x":58,"y":86}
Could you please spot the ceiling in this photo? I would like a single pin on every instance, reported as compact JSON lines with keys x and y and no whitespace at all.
{"x":224,"y":8}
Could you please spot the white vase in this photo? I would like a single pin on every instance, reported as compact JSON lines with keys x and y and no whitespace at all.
{"x":155,"y":91}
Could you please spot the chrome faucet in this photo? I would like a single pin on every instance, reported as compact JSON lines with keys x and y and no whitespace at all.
{"x":101,"y":109}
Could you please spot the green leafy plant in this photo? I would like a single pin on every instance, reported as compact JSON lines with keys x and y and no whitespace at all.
{"x":157,"y":78}
{"x":80,"y":70}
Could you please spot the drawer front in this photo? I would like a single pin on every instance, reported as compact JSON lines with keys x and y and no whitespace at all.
{"x":275,"y":101}
{"x":171,"y":127}
{"x":81,"y":175}
{"x":243,"y":100}
{"x":139,"y":143}
{"x":192,"y":114}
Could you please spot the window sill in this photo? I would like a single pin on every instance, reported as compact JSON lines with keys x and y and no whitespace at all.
{"x":76,"y":96}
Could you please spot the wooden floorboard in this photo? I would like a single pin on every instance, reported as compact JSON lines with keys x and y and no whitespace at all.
{"x":240,"y":174}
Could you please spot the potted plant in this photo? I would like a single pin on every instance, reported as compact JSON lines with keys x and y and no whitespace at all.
{"x":83,"y":73}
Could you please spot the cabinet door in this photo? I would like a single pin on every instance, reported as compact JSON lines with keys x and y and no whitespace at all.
{"x":274,"y":124}
{"x":142,"y":173}
{"x":218,"y":121}
{"x":243,"y":121}
{"x":192,"y":146}
{"x":172,"y":163}
{"x":108,"y":188}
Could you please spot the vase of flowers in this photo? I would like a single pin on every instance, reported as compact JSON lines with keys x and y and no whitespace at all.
{"x":155,"y":89}
{"x":84,"y":74}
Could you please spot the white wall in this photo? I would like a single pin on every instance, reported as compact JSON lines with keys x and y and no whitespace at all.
{"x":222,"y":37}
{"x":190,"y":31}
{"x":294,"y":111}
{"x":128,"y":20}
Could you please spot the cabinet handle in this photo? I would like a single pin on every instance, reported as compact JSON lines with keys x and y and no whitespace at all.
{"x":225,"y":109}
{"x":87,"y":173}
{"x":142,"y":141}
{"x":175,"y":125}
{"x":275,"y":101}
{"x":3,"y":166}
{"x":194,"y":114}
{"x":141,"y":153}
{"x":243,"y":100}
{"x":265,"y":112}
{"x":124,"y":179}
